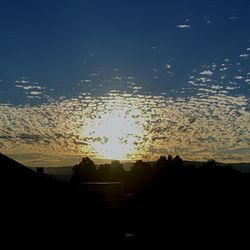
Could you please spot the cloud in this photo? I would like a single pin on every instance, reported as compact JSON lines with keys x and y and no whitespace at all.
{"x":224,"y":69}
{"x":85,"y":81}
{"x":231,"y":88}
{"x":22,"y":81}
{"x":28,"y":87}
{"x":244,"y":55}
{"x":36,"y":93}
{"x":184,"y":26}
{"x":206,"y":73}
{"x":205,"y":121}
{"x":216,"y":87}
{"x":212,"y":121}
{"x":239,"y":77}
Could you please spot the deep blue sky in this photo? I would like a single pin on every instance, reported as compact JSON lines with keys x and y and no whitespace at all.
{"x":59,"y":43}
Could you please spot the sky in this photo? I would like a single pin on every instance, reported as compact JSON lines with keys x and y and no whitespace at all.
{"x":124,"y":80}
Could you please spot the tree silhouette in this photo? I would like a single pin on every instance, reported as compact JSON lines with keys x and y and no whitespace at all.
{"x":169,"y":163}
{"x":140,"y":167}
{"x":84,"y":171}
{"x":112,"y":172}
{"x":177,"y":162}
{"x":104,"y":172}
{"x":161,"y":162}
{"x":210,"y":164}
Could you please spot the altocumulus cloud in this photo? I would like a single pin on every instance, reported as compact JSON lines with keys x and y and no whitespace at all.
{"x":198,"y":127}
{"x":184,"y":26}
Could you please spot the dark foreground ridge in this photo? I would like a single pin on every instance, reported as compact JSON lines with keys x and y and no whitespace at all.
{"x":167,"y":204}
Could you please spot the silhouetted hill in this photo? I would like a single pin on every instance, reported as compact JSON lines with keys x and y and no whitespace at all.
{"x":63,"y":170}
{"x":243,"y":167}
{"x":10,"y":168}
{"x":164,"y":202}
{"x":39,"y":211}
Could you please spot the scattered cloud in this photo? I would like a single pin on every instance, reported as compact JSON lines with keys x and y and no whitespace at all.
{"x":184,"y":26}
{"x":206,"y":73}
{"x":59,"y":127}
{"x":36,"y":93}
{"x":239,"y":77}
{"x":244,"y":55}
{"x":85,"y":81}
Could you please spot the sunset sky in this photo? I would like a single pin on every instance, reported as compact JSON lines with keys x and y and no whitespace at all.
{"x":124,"y":80}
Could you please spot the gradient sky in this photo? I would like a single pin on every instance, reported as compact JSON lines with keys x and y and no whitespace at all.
{"x":177,"y":73}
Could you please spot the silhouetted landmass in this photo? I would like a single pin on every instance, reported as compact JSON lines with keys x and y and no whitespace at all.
{"x":166,"y":203}
{"x":38,"y":211}
{"x":67,"y":170}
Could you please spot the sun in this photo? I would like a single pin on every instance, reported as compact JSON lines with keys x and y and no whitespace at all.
{"x":115,"y":133}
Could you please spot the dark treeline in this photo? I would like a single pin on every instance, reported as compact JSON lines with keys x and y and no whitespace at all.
{"x":165,"y":203}
{"x":207,"y":204}
{"x":143,"y":172}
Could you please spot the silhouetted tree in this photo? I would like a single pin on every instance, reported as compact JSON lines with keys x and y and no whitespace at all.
{"x":177,"y":162}
{"x":84,"y":171}
{"x":140,"y":167}
{"x":169,"y":163}
{"x":104,"y":172}
{"x":210,"y":164}
{"x":112,"y":172}
{"x":161,"y":162}
{"x":117,"y":171}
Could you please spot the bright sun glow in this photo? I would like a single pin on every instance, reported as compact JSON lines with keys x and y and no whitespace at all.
{"x":115,"y":133}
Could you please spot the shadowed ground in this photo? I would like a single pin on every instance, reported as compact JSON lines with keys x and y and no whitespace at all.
{"x":170,"y":205}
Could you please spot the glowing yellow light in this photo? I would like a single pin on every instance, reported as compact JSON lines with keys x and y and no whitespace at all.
{"x":114,"y":133}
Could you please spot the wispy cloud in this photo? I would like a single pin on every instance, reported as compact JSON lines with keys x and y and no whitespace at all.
{"x":244,"y":55}
{"x":184,"y":26}
{"x":206,"y":73}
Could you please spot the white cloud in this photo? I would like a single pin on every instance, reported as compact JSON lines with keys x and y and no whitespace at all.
{"x":22,"y":81}
{"x":224,"y":69}
{"x":118,"y":78}
{"x":206,"y":73}
{"x":85,"y":81}
{"x":216,"y":87}
{"x":231,"y":88}
{"x":184,"y":26}
{"x":239,"y":77}
{"x":244,"y":55}
{"x":168,"y":66}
